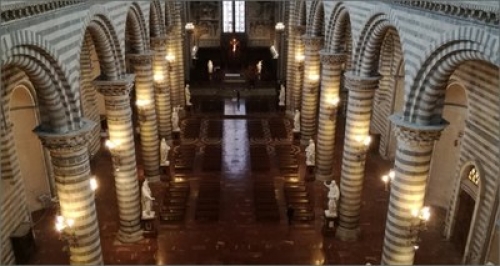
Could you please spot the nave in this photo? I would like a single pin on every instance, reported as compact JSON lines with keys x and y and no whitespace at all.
{"x":234,"y":211}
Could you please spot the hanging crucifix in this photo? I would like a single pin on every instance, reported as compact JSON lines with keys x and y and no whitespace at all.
{"x":234,"y":43}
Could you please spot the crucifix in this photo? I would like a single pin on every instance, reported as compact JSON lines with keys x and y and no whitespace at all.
{"x":234,"y":44}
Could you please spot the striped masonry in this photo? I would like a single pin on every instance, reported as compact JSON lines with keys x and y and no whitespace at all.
{"x":298,"y":69}
{"x":162,"y":88}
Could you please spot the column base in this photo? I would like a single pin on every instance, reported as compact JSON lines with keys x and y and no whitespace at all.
{"x":127,"y":238}
{"x":348,"y":235}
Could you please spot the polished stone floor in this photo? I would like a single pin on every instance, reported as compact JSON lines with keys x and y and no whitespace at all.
{"x":236,"y":237}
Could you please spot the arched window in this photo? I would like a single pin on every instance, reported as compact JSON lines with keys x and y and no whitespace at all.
{"x":233,"y":16}
{"x":473,"y":176}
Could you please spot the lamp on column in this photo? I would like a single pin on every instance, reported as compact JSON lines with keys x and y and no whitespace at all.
{"x":388,"y":178}
{"x":364,"y":144}
{"x":170,"y":59}
{"x":279,"y":27}
{"x":300,"y":60}
{"x":158,"y":77}
{"x":142,"y":106}
{"x":331,"y":107}
{"x":189,"y":27}
{"x":418,"y":224}
{"x":314,"y":80}
{"x":115,"y":154}
{"x":66,"y":231}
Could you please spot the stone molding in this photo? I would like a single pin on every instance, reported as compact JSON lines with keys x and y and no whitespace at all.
{"x":119,"y":87}
{"x":142,"y":58}
{"x":416,"y":135}
{"x":69,"y":141}
{"x":159,"y":41}
{"x":312,"y":42}
{"x":329,"y":59}
{"x":469,"y":10}
{"x":30,"y":8}
{"x":354,"y":82}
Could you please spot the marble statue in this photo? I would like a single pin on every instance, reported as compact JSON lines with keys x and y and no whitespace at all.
{"x":259,"y":67}
{"x":147,"y":201}
{"x":333,"y":198}
{"x":282,"y":95}
{"x":187,"y":93}
{"x":164,"y":149}
{"x":296,"y":121}
{"x":175,"y":120}
{"x":210,"y":66}
{"x":311,"y":153}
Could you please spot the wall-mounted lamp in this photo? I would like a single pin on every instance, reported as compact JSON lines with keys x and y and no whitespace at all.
{"x":300,"y":59}
{"x":279,"y":27}
{"x":158,"y":77}
{"x":142,"y":106}
{"x":93,"y":183}
{"x":170,"y":59}
{"x":189,"y":27}
{"x":115,"y":154}
{"x":364,"y":144}
{"x":331,"y":107}
{"x":66,"y":231}
{"x":418,"y":224}
{"x":387,"y":179}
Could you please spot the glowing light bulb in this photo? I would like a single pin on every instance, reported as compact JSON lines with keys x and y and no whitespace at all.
{"x":93,"y":183}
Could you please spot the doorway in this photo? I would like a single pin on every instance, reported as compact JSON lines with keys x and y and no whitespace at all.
{"x":463,"y":220}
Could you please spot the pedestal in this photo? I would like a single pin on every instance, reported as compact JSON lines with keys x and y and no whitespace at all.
{"x":165,"y":172}
{"x":149,"y":227}
{"x":176,"y":135}
{"x":309,"y":176}
{"x":329,"y":225}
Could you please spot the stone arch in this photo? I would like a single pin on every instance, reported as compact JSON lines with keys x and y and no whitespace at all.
{"x":106,"y":40}
{"x":169,"y":14}
{"x":58,"y":99}
{"x":317,"y":19}
{"x":443,"y":57}
{"x":338,"y":30}
{"x":367,"y":52}
{"x":300,"y":16}
{"x":156,"y":24}
{"x":136,"y":30}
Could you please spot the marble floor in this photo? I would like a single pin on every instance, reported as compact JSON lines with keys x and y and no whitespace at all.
{"x":236,"y":237}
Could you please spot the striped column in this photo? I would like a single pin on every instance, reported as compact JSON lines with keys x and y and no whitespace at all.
{"x":162,"y":88}
{"x":329,"y":97}
{"x":119,"y":118}
{"x":175,"y":44}
{"x":309,"y":103}
{"x":70,"y":161}
{"x":144,"y":91}
{"x":297,"y":68}
{"x":361,"y":92}
{"x":413,"y":158}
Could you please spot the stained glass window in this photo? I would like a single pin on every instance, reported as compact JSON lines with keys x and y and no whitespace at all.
{"x":474,"y":176}
{"x":233,"y":16}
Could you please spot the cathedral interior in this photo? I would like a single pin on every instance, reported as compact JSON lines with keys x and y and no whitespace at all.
{"x":250,"y":132}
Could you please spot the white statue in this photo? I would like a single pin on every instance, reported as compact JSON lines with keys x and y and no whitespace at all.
{"x":259,"y":67}
{"x":187,"y":93}
{"x":164,"y":149}
{"x":311,"y":153}
{"x":296,"y":121}
{"x":333,"y":198}
{"x":175,"y":120}
{"x":147,"y":201}
{"x":282,"y":95}
{"x":210,"y":66}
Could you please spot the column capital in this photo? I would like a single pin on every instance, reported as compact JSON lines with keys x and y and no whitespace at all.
{"x":355,"y":82}
{"x":330,"y":58}
{"x":159,"y":40}
{"x":312,"y":42}
{"x":118,"y":87}
{"x":68,"y":141}
{"x":144,"y":57}
{"x":417,"y":135}
{"x":298,"y":30}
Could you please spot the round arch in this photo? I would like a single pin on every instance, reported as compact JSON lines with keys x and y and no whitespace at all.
{"x":338,"y":35}
{"x":137,"y":37}
{"x":316,"y":26}
{"x":156,"y":24}
{"x":431,"y":76}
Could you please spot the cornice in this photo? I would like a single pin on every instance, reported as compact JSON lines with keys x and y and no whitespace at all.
{"x":28,"y":9}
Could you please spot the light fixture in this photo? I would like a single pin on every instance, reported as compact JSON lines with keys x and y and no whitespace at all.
{"x":66,"y":231}
{"x":420,"y":217}
{"x":189,"y":27}
{"x":115,"y":154}
{"x":170,"y":58}
{"x":93,"y":183}
{"x":388,"y":178}
{"x":331,"y":107}
{"x":300,"y":59}
{"x":158,"y":77}
{"x":364,"y":143}
{"x":142,"y":106}
{"x":279,"y":27}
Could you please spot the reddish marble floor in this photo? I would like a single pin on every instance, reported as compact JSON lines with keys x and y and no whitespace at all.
{"x":236,"y":238}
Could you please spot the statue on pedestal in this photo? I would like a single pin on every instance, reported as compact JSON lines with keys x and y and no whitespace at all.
{"x":175,"y":120}
{"x":210,"y":67}
{"x":164,"y":149}
{"x":282,"y":96}
{"x":147,"y":201}
{"x":187,"y":93}
{"x":311,"y":153}
{"x":296,"y":121}
{"x":259,"y":67}
{"x":333,"y":198}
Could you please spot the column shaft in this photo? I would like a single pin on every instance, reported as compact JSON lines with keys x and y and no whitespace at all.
{"x":175,"y":44}
{"x":413,"y":157}
{"x":119,"y":118}
{"x":296,"y":68}
{"x":144,"y":90}
{"x":330,"y":86}
{"x":162,"y":88}
{"x":310,"y":91}
{"x":70,"y":160}
{"x":361,"y":92}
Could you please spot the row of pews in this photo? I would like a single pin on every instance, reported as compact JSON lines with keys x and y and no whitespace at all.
{"x":208,"y":201}
{"x":277,"y":128}
{"x":266,"y":206}
{"x":287,"y":159}
{"x":184,"y":156}
{"x":192,"y":128}
{"x":174,"y":204}
{"x":259,"y":159}
{"x":297,"y":196}
{"x":212,"y":158}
